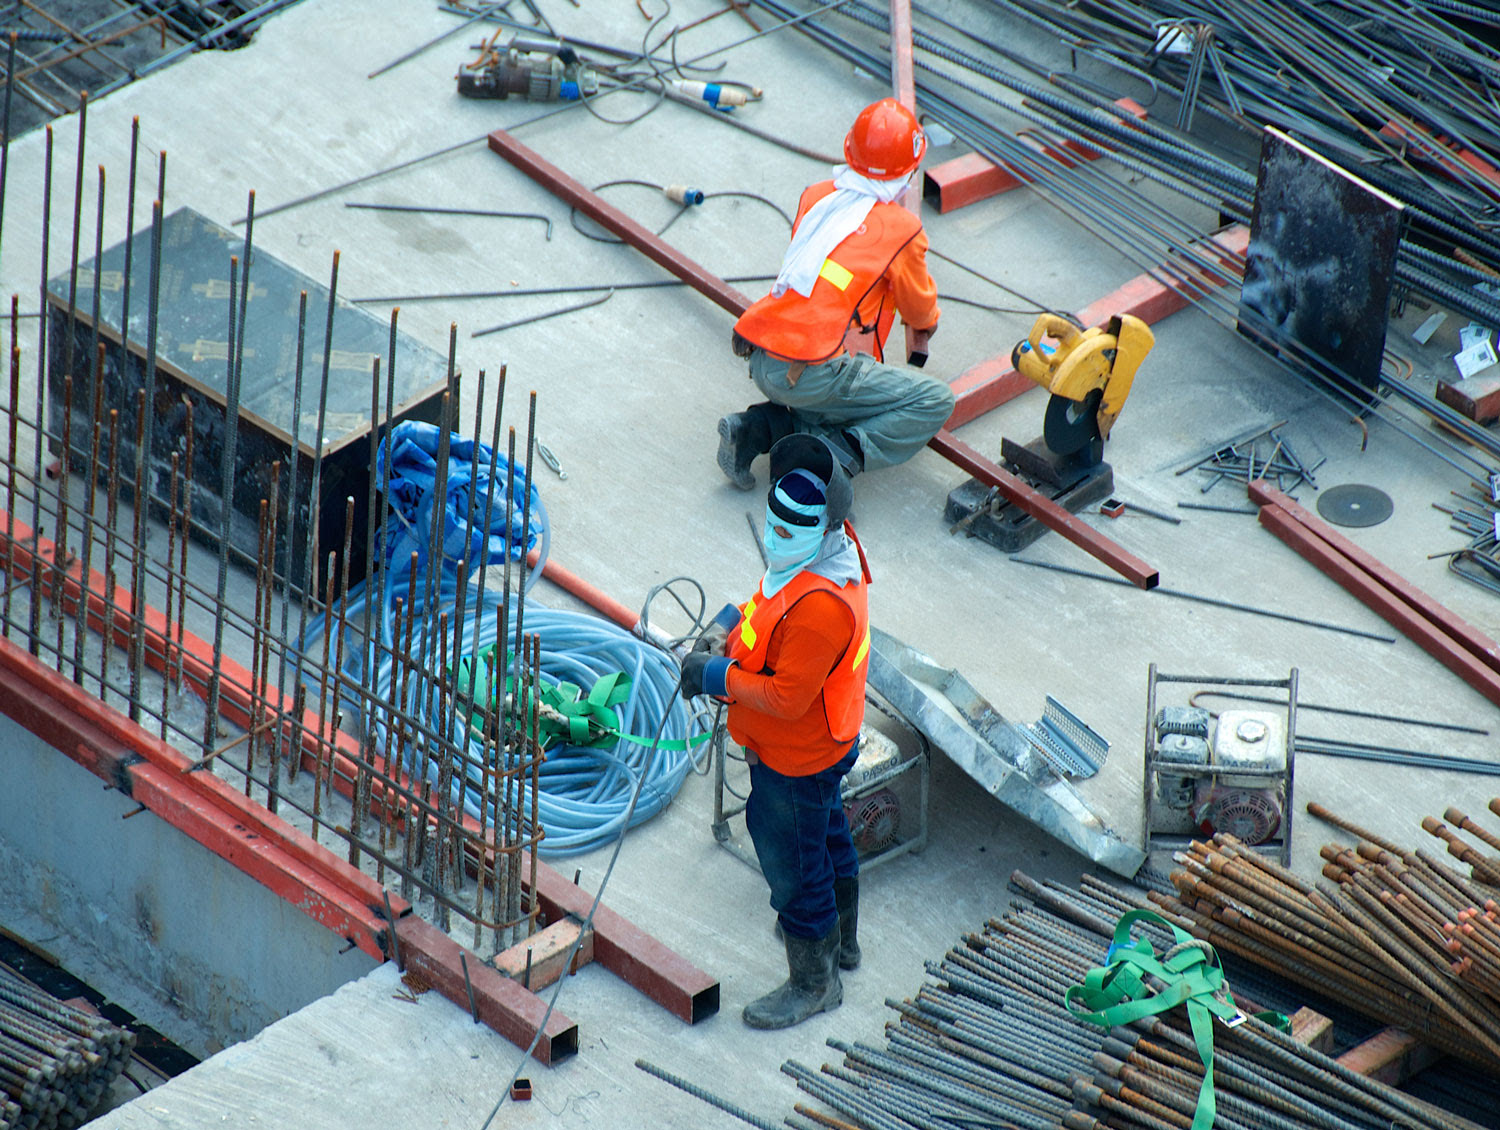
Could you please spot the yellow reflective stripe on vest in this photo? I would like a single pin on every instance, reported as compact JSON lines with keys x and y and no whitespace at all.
{"x":839,"y":275}
{"x":747,"y":633}
{"x":862,"y":652}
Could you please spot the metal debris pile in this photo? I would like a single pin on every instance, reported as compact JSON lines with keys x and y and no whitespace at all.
{"x":56,"y":1061}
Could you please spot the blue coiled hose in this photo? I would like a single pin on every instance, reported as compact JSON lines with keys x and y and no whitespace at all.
{"x":583,"y":792}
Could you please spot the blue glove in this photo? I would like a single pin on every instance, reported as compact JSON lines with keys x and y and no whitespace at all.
{"x":703,"y":673}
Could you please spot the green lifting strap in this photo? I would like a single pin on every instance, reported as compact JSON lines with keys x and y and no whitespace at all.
{"x":568,"y":715}
{"x":1189,"y":974}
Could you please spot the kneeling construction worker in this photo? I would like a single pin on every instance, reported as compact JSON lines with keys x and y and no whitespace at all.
{"x":791,"y":663}
{"x":816,"y":343}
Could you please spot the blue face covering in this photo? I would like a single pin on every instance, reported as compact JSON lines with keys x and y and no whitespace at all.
{"x":787,"y":556}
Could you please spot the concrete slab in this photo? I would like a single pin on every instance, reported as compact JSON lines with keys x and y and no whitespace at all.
{"x":628,"y":394}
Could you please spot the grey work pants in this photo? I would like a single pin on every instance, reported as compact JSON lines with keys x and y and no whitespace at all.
{"x":891,"y":412}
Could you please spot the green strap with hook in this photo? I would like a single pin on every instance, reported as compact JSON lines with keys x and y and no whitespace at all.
{"x":568,"y":715}
{"x":1189,"y":974}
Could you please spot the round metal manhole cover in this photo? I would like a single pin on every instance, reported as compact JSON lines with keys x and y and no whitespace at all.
{"x":1354,"y":504}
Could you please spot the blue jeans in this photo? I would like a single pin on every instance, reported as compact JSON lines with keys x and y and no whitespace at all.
{"x":802,"y":840}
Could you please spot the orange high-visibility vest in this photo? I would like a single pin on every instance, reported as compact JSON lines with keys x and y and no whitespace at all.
{"x":812,"y":329}
{"x":840,"y":708}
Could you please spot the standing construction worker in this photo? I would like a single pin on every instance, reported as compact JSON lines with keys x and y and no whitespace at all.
{"x":816,"y":343}
{"x":791,"y":663}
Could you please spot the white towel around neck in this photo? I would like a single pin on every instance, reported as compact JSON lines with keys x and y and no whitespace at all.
{"x":828,"y":223}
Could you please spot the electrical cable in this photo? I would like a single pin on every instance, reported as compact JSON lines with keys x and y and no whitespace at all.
{"x":586,"y":794}
{"x":573,"y":216}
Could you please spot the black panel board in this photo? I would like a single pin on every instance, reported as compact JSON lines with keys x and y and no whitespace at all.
{"x":192,"y":366}
{"x":1320,"y":263}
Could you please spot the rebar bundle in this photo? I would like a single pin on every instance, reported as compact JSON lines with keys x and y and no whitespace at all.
{"x":972,"y":90}
{"x":56,"y":1061}
{"x":1390,"y":938}
{"x":987,"y":1041}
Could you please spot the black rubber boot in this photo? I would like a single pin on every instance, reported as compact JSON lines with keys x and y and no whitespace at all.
{"x":811,"y":987}
{"x":846,"y":896}
{"x":742,"y":436}
{"x":745,"y":435}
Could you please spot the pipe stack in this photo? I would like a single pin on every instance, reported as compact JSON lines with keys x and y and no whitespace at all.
{"x":987,"y":1041}
{"x":56,"y":1061}
{"x":1390,"y":938}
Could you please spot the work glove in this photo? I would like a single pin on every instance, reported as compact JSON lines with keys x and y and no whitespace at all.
{"x":716,"y":635}
{"x":703,"y":673}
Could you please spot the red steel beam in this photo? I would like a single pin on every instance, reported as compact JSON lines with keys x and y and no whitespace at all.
{"x":1149,"y":297}
{"x":632,"y":954}
{"x":514,"y":1012}
{"x":1459,"y":630}
{"x":1045,"y":510}
{"x":621,"y":947}
{"x":617,"y":222}
{"x":1381,"y":599}
{"x":974,"y":177}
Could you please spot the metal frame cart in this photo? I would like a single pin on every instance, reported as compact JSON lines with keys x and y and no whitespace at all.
{"x":1186,"y":775}
{"x":891,"y":778}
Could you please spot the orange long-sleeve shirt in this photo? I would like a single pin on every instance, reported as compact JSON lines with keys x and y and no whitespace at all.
{"x":908,"y":284}
{"x":779,"y":713}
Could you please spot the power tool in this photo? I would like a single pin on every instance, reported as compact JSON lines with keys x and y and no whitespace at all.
{"x":537,"y":68}
{"x":1089,"y":373}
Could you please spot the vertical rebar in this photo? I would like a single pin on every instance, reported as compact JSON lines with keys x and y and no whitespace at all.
{"x":135,"y":139}
{"x":268,"y":562}
{"x":413,"y":831}
{"x":444,"y":797}
{"x":226,"y":511}
{"x":83,"y":109}
{"x":138,"y":572}
{"x":98,"y":277}
{"x":342,"y":631}
{"x":535,"y":759}
{"x":292,"y":526}
{"x":256,"y":642}
{"x":10,"y":479}
{"x":504,"y":707}
{"x":138,"y":568}
{"x":81,"y":624}
{"x":372,"y":593}
{"x":186,"y":521}
{"x":111,"y":515}
{"x":41,"y":366}
{"x":315,"y":484}
{"x":60,"y":542}
{"x":325,"y":735}
{"x":171,"y":574}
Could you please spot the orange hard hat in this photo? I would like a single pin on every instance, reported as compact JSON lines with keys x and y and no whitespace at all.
{"x":885,"y":141}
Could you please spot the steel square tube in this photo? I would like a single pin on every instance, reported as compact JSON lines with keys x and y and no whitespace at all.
{"x":1460,"y":631}
{"x":1388,"y":604}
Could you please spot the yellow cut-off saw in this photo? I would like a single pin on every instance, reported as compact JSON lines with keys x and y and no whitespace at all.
{"x":1089,"y":373}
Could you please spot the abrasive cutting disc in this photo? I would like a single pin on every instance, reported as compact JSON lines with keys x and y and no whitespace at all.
{"x":1071,"y":425}
{"x":1354,"y":504}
